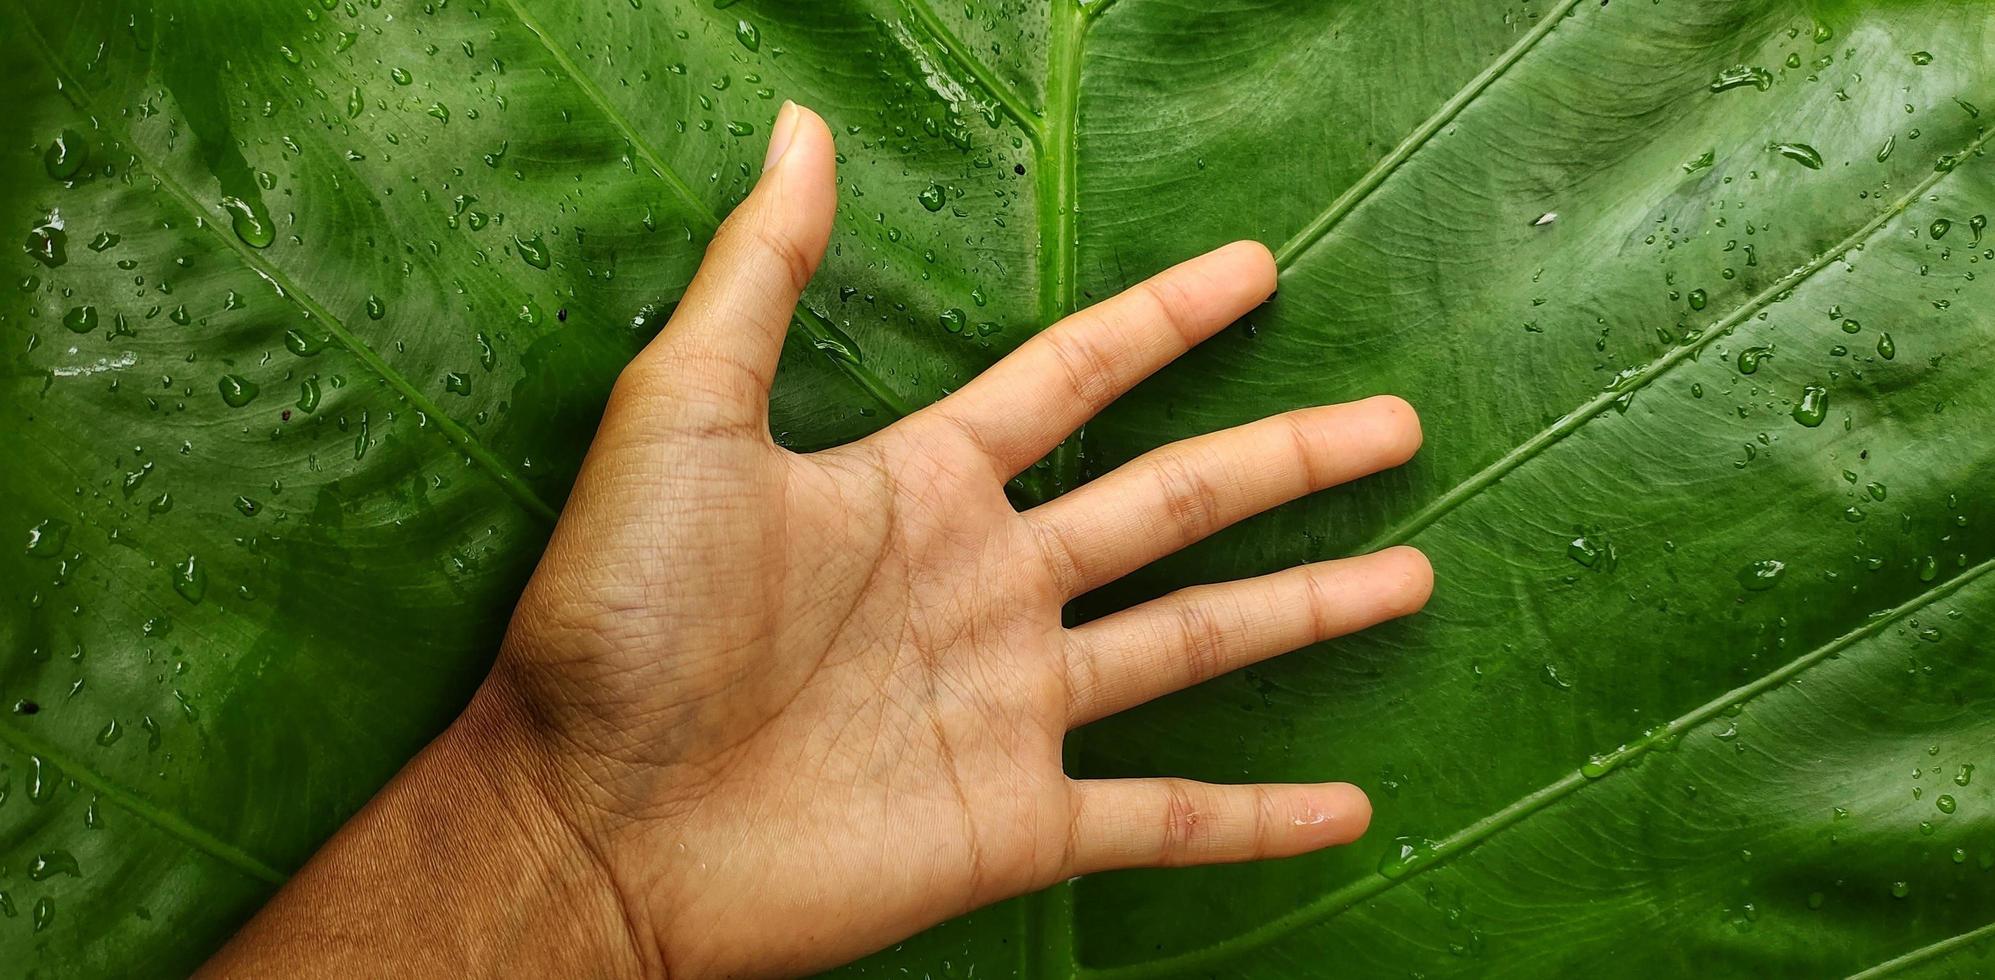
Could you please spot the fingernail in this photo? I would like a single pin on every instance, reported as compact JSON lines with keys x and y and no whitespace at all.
{"x":780,"y":135}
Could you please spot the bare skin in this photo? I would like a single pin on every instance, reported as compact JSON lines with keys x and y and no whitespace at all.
{"x":760,"y":713}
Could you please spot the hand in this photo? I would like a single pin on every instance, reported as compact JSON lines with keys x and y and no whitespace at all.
{"x":780,"y":710}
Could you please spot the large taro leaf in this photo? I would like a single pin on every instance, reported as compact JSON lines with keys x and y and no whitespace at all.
{"x":319,"y":301}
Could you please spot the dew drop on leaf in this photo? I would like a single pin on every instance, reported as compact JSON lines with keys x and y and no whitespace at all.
{"x":80,"y":319}
{"x":190,"y":579}
{"x":250,"y":221}
{"x":66,"y":155}
{"x":1761,"y":575}
{"x":237,"y":390}
{"x":533,"y":250}
{"x":1800,"y":153}
{"x":1813,"y":406}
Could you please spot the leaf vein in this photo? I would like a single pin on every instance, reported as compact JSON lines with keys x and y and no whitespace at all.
{"x":1374,"y":178}
{"x":1007,"y":97}
{"x":1335,"y":903}
{"x":868,"y":381}
{"x":1929,"y":951}
{"x":160,"y":818}
{"x":467,"y":443}
{"x":1573,"y":421}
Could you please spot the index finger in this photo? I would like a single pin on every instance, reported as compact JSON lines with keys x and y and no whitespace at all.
{"x":1021,"y":408}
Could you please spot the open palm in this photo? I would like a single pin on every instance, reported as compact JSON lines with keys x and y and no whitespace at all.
{"x":813,"y":703}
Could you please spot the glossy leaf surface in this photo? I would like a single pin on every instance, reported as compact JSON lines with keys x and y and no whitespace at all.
{"x":318,"y":302}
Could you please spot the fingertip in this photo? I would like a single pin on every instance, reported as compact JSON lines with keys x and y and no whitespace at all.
{"x":1413,"y":576}
{"x":1333,"y":814}
{"x":1402,"y":423}
{"x":1255,"y":262}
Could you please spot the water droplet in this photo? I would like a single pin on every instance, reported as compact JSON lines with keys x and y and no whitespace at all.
{"x":308,"y":395}
{"x":533,"y":250}
{"x":375,"y":308}
{"x":1750,"y":358}
{"x":48,"y":864}
{"x":44,"y":912}
{"x":401,"y":76}
{"x":80,"y":319}
{"x":1800,"y":153}
{"x":237,"y":390}
{"x":251,"y":223}
{"x":1813,"y":406}
{"x":1698,"y":299}
{"x":1741,"y":75}
{"x":747,"y":34}
{"x":110,"y":733}
{"x":952,"y":319}
{"x":1922,"y":57}
{"x":1939,"y":228}
{"x":66,"y":155}
{"x":1945,"y":803}
{"x":48,"y":242}
{"x":303,"y":344}
{"x":1591,"y":553}
{"x":45,"y":540}
{"x":290,"y":54}
{"x":190,"y":579}
{"x":1407,"y":854}
{"x":457,"y":383}
{"x":1761,"y":575}
{"x":1885,"y":347}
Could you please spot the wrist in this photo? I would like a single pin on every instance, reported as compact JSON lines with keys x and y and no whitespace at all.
{"x":464,"y":864}
{"x":547,"y":898}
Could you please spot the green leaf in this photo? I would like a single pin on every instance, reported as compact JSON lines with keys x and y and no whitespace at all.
{"x":319,"y":302}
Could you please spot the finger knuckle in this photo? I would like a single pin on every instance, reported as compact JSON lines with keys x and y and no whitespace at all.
{"x":1190,"y":500}
{"x":1184,"y":823}
{"x":1085,"y":368}
{"x":1307,"y":444}
{"x":1321,"y":604}
{"x":1201,"y":638}
{"x":1174,"y":308}
{"x":794,"y":259}
{"x":1063,"y":562}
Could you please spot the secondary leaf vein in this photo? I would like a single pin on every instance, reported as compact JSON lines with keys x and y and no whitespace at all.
{"x":461,"y":437}
{"x":167,"y":822}
{"x":1006,"y":96}
{"x":1374,"y":178}
{"x":1331,"y":905}
{"x":1571,"y":422}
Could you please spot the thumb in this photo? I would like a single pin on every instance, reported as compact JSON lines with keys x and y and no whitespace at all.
{"x":728,"y":331}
